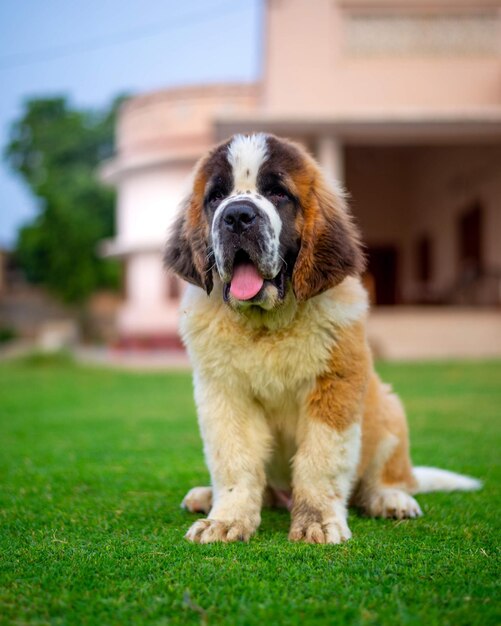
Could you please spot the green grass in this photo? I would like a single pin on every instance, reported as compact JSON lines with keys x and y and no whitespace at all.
{"x":94,"y":464}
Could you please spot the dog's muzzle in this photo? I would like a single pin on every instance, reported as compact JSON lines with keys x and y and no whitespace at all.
{"x":246,"y":249}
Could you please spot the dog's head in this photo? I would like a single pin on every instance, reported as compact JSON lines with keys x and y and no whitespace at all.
{"x":262,"y":218}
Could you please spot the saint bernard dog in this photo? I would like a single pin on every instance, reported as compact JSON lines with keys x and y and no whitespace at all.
{"x":290,"y":408}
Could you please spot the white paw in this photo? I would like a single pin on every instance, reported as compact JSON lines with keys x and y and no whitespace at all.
{"x":210,"y":531}
{"x":393,"y":503}
{"x":198,"y":500}
{"x":313,"y":531}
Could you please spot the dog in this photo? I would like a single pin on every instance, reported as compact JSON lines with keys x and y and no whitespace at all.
{"x":290,"y":408}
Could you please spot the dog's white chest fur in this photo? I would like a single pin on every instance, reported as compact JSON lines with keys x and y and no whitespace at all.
{"x":275,"y":364}
{"x":274,"y":367}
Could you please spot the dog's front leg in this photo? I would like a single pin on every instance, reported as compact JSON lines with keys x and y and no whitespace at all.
{"x":328,"y":440}
{"x":324,"y":468}
{"x":237,"y":444}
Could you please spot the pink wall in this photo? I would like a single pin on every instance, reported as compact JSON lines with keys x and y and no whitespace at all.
{"x":313,"y":67}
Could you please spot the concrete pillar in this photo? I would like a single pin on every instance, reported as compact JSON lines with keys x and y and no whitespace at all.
{"x":330,"y":156}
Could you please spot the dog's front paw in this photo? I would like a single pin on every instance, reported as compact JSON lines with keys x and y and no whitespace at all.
{"x":211,"y":530}
{"x":314,"y":532}
{"x":312,"y":526}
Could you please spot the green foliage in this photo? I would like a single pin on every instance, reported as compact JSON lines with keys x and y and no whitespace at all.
{"x":7,"y":334}
{"x":94,"y":464}
{"x":57,"y":149}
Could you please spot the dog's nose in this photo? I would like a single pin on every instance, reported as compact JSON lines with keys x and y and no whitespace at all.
{"x":238,"y":216}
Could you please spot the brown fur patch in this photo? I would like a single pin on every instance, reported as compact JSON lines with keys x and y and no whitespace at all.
{"x":303,"y":513}
{"x":338,"y":396}
{"x":306,"y":523}
{"x":330,"y":244}
{"x":384,"y":417}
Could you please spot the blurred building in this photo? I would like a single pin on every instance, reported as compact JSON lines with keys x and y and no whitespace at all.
{"x":399,"y":99}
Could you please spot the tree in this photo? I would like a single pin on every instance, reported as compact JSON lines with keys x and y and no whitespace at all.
{"x":56,"y":149}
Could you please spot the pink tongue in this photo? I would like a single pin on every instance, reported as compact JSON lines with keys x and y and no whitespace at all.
{"x":246,"y":282}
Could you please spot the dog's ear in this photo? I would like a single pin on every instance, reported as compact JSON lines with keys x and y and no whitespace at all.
{"x":186,"y":253}
{"x":330,"y":242}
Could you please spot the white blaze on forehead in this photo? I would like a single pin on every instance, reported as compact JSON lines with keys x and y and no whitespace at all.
{"x":246,"y":154}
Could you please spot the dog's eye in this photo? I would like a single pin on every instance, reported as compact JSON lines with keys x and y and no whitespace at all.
{"x":215,"y":196}
{"x":276,"y":193}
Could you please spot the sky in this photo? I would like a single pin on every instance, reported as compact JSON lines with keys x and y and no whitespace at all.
{"x":93,"y":50}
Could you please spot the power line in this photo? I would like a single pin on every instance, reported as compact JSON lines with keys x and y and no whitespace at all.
{"x":106,"y":41}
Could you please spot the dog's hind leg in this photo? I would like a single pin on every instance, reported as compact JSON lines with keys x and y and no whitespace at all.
{"x":198,"y":500}
{"x":386,"y":479}
{"x":277,"y":498}
{"x":380,"y":496}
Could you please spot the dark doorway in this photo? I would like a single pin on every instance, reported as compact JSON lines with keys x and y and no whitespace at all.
{"x":381,"y":278}
{"x":423,"y":260}
{"x":470,"y":241}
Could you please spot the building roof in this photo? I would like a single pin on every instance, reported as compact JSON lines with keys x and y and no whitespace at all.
{"x":413,"y":127}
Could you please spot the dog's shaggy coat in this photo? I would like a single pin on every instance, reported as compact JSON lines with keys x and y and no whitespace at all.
{"x":290,"y":409}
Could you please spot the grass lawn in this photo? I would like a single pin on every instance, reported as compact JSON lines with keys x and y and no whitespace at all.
{"x":94,"y":464}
